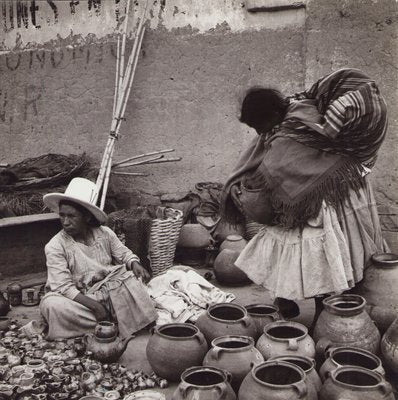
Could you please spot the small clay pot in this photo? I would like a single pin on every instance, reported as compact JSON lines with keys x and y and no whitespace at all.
{"x":105,"y":330}
{"x":233,"y":242}
{"x":4,"y":323}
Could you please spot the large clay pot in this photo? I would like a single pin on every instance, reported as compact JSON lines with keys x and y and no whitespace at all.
{"x":172,"y":348}
{"x":307,"y":364}
{"x":380,"y":289}
{"x":233,"y":242}
{"x":225,"y":319}
{"x":355,"y":383}
{"x":353,"y":356}
{"x":285,"y":338}
{"x":389,"y":347}
{"x":194,"y":236}
{"x":256,"y":204}
{"x":204,"y":383}
{"x":235,"y":354}
{"x":344,"y":322}
{"x":275,"y":380}
{"x":226,"y":271}
{"x":263,"y":314}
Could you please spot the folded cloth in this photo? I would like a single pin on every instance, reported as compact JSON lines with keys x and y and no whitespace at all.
{"x":181,"y":294}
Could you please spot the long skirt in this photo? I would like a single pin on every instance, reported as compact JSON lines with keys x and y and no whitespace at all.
{"x":327,"y":256}
{"x":124,"y":296}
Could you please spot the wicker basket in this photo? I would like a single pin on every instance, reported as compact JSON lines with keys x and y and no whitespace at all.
{"x":163,"y":240}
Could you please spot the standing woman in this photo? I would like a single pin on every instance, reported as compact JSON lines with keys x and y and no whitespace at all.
{"x":91,"y":275}
{"x":306,"y":178}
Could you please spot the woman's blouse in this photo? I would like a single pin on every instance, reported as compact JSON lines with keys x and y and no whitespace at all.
{"x":74,"y":267}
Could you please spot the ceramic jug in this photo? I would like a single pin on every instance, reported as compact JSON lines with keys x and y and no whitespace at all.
{"x":204,"y":383}
{"x":275,"y":380}
{"x":263,"y":314}
{"x":285,"y":338}
{"x":380,"y":289}
{"x":225,"y":319}
{"x":235,"y":354}
{"x":226,"y":271}
{"x":355,"y":383}
{"x":172,"y":348}
{"x":341,"y":356}
{"x":344,"y":322}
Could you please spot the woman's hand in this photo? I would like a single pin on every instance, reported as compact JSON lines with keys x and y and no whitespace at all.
{"x":99,"y":311}
{"x":139,"y":271}
{"x":235,"y":195}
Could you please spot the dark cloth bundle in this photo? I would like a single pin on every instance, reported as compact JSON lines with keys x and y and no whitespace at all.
{"x":319,"y":151}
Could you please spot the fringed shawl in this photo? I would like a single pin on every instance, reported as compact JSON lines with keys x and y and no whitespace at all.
{"x":318,"y":152}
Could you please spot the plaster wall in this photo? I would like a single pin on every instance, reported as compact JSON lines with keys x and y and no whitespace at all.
{"x":57,"y":75}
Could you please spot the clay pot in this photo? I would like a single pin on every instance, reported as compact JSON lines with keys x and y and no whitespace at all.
{"x":307,"y":364}
{"x":4,"y":306}
{"x":4,"y":323}
{"x":233,"y":242}
{"x":105,"y":330}
{"x":204,"y":383}
{"x":145,"y":395}
{"x":235,"y":354}
{"x":14,"y":292}
{"x":355,"y":383}
{"x":389,"y":347}
{"x":274,"y":380}
{"x":172,"y":348}
{"x":257,"y":205}
{"x":285,"y":338}
{"x":194,"y":236}
{"x":225,"y":319}
{"x":345,"y":323}
{"x":226,"y":271}
{"x":353,"y":356}
{"x":106,"y":350}
{"x":263,"y":314}
{"x":35,"y":365}
{"x":380,"y":288}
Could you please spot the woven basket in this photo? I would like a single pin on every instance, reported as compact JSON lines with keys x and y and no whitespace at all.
{"x":163,"y":240}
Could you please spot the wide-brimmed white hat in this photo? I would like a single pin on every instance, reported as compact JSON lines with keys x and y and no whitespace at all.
{"x":81,"y":191}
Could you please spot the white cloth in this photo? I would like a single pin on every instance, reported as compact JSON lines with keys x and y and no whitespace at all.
{"x":181,"y":294}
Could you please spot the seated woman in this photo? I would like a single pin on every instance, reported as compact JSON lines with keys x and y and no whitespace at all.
{"x":307,"y":170}
{"x":91,"y":275}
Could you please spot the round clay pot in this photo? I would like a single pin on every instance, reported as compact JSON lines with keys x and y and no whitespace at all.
{"x":204,"y":383}
{"x":235,"y":354}
{"x":285,"y":338}
{"x":353,"y":356}
{"x":194,"y":236}
{"x":225,"y":319}
{"x":380,"y":288}
{"x":233,"y":242}
{"x":5,"y":322}
{"x":263,"y":314}
{"x":105,"y":330}
{"x":257,"y":205}
{"x":344,"y":322}
{"x":307,"y":364}
{"x":389,"y":347}
{"x":355,"y":383}
{"x":274,"y":380}
{"x":172,"y":348}
{"x":226,"y":271}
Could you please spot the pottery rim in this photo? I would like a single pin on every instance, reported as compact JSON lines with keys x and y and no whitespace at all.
{"x":230,"y":321}
{"x":330,"y":304}
{"x":270,"y":363}
{"x":222,"y":373}
{"x":357,"y":350}
{"x":248,"y":340}
{"x":303,"y":359}
{"x":289,"y":324}
{"x":385,"y":260}
{"x":195,"y":329}
{"x":334,"y":375}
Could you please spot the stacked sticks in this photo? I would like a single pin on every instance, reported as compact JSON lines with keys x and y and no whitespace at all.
{"x":123,"y":83}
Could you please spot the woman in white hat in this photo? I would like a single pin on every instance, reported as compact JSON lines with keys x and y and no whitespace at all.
{"x":91,"y":275}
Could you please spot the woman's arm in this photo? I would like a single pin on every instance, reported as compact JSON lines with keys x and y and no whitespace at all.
{"x":100,"y":312}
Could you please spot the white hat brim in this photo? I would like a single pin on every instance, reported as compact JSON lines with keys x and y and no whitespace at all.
{"x":51,"y":200}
